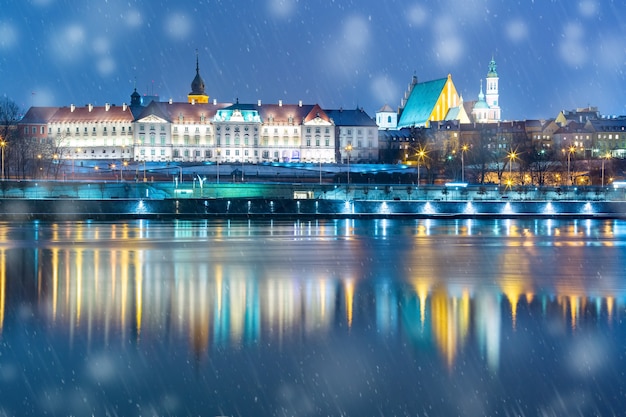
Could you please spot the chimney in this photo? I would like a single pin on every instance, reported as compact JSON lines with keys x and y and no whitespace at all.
{"x":72,"y":108}
{"x":193,"y":101}
{"x":107,"y":107}
{"x":90,"y":107}
{"x":170,"y":101}
{"x":280,"y":103}
{"x":124,"y":106}
{"x":258,"y":103}
{"x":300,"y":103}
{"x":215,"y":102}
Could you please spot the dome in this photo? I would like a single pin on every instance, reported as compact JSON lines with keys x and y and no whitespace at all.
{"x":197,"y":85}
{"x":481,"y":104}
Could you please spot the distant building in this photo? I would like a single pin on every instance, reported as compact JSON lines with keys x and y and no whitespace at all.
{"x":387,"y":118}
{"x":199,"y":131}
{"x":93,"y":132}
{"x":427,"y":102}
{"x":356,"y":136}
{"x":487,"y":108}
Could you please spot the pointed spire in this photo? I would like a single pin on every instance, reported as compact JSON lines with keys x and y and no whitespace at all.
{"x":197,"y":85}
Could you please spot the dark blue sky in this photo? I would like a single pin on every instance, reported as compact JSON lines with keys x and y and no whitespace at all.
{"x":551,"y":55}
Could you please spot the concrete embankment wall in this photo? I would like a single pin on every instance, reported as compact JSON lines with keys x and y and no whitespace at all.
{"x":68,"y":209}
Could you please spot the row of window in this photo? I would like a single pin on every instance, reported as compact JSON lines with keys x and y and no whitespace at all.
{"x":86,"y":131}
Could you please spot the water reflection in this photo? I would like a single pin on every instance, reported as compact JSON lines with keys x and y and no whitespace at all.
{"x":450,"y":286}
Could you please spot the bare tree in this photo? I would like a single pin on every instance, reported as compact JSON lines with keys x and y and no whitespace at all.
{"x":10,"y":114}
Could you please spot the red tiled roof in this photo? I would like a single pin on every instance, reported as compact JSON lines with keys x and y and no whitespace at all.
{"x":90,"y":114}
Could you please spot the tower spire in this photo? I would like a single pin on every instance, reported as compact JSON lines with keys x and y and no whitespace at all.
{"x":197,"y":94}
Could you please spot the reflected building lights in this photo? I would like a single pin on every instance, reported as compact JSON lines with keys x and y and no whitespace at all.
{"x":131,"y":291}
{"x":348,"y":286}
{"x":3,"y":286}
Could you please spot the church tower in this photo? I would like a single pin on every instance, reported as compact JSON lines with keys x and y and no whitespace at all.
{"x":197,"y":94}
{"x":493,"y":95}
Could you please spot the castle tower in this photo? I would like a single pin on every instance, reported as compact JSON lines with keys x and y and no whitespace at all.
{"x":197,"y":94}
{"x":492,"y":95}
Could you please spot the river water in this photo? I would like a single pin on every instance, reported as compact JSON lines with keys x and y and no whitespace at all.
{"x":311,"y":318}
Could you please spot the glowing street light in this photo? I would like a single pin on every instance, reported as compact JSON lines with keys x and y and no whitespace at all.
{"x":124,"y":164}
{"x":605,"y":158}
{"x":3,"y":144}
{"x":348,"y":150}
{"x":512,"y":155}
{"x":421,"y":154}
{"x":464,"y":149}
{"x":570,"y":151}
{"x":39,"y":169}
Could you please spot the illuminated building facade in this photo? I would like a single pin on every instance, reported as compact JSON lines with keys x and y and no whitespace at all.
{"x":199,"y":131}
{"x":487,"y":108}
{"x":92,"y":132}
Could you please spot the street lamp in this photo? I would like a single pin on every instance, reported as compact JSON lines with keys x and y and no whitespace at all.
{"x":464,"y":149}
{"x":217,"y":153}
{"x":320,"y":156}
{"x":512,"y":155}
{"x":3,"y":144}
{"x":421,"y":154}
{"x":348,"y":150}
{"x":242,"y":163}
{"x":180,"y":174}
{"x":124,"y":164}
{"x":605,"y":158}
{"x":144,"y":171}
{"x":570,"y":151}
{"x":113,"y":171}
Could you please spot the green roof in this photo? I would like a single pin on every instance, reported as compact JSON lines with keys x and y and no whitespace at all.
{"x":421,"y":103}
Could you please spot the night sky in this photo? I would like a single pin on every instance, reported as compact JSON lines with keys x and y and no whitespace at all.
{"x":551,"y":55}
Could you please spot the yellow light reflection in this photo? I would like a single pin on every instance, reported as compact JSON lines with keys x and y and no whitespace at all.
{"x":55,"y":282}
{"x":3,"y":283}
{"x":79,"y":284}
{"x":422,"y":288}
{"x":349,"y":291}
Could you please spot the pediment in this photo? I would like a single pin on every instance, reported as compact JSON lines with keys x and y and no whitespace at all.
{"x":152,"y":119}
{"x":318,"y":121}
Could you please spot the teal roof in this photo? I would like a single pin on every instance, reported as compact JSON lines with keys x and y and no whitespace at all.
{"x":453,"y":113}
{"x":421,"y":103}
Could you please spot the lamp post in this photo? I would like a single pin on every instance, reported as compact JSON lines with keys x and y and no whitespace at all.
{"x":512,"y":155}
{"x":420,"y":158}
{"x":320,"y":168}
{"x":348,"y":150}
{"x":606,"y":157}
{"x":124,"y":164}
{"x":218,"y":152}
{"x":570,"y":151}
{"x":3,"y":144}
{"x":242,"y":163}
{"x":464,"y":149}
{"x":144,"y":171}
